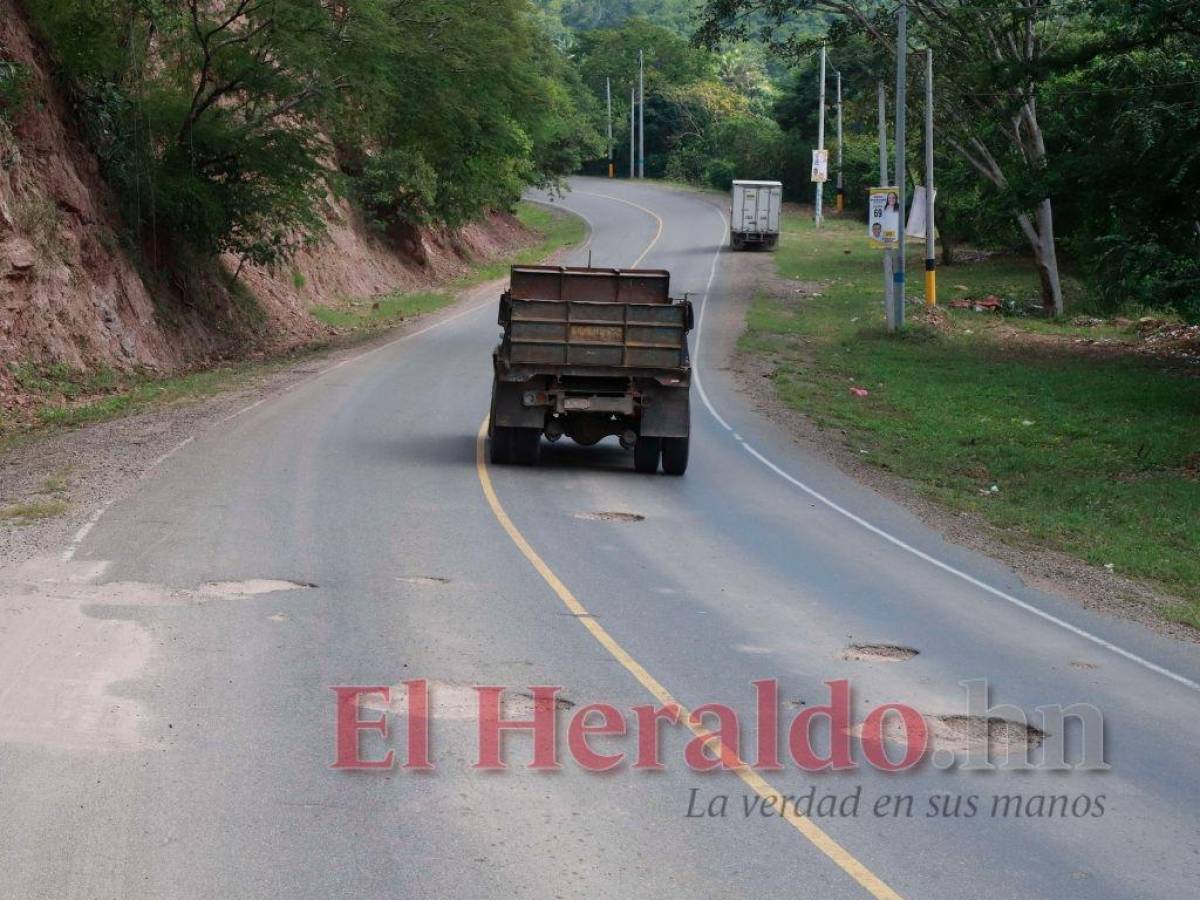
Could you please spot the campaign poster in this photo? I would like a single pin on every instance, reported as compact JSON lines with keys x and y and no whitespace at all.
{"x":883,"y":218}
{"x":820,"y":167}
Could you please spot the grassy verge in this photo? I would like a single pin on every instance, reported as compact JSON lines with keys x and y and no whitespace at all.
{"x":70,"y":399}
{"x":555,"y":229}
{"x":1054,"y":443}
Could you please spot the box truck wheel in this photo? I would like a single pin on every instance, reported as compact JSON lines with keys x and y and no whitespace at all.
{"x":501,"y":445}
{"x":738,"y":242}
{"x":675,"y":455}
{"x":526,"y":446}
{"x":645,"y":454}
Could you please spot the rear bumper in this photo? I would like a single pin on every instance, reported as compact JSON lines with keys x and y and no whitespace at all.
{"x":655,"y":406}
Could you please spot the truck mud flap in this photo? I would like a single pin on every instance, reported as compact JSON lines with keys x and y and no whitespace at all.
{"x":666,"y":411}
{"x":511,"y":411}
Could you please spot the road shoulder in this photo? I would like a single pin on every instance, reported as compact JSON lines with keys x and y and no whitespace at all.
{"x":753,"y":274}
{"x":55,"y":482}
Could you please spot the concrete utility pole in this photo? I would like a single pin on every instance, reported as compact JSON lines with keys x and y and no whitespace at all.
{"x":841,"y":184}
{"x":888,"y":306}
{"x":901,"y":100}
{"x":930,"y":249}
{"x":820,"y":140}
{"x":632,"y":132}
{"x":608,"y":96}
{"x":642,"y":114}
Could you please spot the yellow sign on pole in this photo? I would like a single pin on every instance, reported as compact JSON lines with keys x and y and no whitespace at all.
{"x":883,"y":218}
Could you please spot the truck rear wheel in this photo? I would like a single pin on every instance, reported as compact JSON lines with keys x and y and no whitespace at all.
{"x":738,"y":242}
{"x":526,"y":446}
{"x":501,"y":445}
{"x":645,"y":454}
{"x":675,"y":455}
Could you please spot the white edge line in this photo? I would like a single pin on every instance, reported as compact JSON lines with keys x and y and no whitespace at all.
{"x":890,"y":538}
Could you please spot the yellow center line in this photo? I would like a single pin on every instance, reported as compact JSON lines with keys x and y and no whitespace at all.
{"x":822,"y":841}
{"x":657,"y":234}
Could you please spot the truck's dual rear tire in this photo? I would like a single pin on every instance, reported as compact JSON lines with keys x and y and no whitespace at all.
{"x":673,"y":451}
{"x":675,"y":455}
{"x":501,"y":445}
{"x":515,"y":446}
{"x":645,"y":454}
{"x":526,"y":446}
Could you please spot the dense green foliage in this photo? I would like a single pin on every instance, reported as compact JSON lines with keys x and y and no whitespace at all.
{"x":224,"y":125}
{"x":1069,"y":123}
{"x":708,"y":115}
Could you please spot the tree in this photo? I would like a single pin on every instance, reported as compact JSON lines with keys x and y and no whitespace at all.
{"x":991,"y":64}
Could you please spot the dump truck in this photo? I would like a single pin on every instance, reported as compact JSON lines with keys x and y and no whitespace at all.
{"x":589,"y":353}
{"x":754,"y":214}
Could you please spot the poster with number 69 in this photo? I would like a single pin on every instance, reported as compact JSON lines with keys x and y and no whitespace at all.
{"x":883,"y":217}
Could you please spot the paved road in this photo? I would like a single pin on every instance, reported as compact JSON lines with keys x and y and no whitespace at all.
{"x":169,"y":739}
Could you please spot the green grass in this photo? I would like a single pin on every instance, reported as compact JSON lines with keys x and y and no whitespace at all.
{"x":96,"y":398}
{"x":1095,"y":455}
{"x":36,"y":511}
{"x":382,"y":312}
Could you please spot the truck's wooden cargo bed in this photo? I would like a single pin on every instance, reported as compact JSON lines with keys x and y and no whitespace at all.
{"x":594,"y":317}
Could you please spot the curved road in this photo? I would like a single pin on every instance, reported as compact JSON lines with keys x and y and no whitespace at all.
{"x":200,"y":767}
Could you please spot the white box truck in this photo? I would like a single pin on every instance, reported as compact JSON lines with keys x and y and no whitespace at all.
{"x":754,"y":216}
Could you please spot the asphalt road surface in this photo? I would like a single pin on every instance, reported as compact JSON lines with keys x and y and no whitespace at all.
{"x":170,"y":719}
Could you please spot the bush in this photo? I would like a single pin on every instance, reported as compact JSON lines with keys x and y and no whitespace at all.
{"x":15,"y":89}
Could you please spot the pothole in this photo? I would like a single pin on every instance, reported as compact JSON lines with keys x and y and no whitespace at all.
{"x":610,"y":517}
{"x":1001,"y":736}
{"x":962,"y":734}
{"x":251,"y":588}
{"x":424,"y":580}
{"x":878,"y":653}
{"x":534,"y":704}
{"x":458,"y":701}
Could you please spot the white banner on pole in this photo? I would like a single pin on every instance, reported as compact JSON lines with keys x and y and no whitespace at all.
{"x":915,"y":228}
{"x":820,"y":166}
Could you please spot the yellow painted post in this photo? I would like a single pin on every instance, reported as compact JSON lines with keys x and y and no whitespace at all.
{"x":930,"y":284}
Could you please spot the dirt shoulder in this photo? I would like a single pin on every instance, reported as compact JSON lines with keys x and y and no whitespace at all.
{"x":754,"y":275}
{"x":54,"y":481}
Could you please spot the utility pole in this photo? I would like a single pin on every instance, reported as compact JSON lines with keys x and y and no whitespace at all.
{"x":901,"y":100}
{"x":841,"y":184}
{"x":888,"y":306}
{"x":930,"y":250}
{"x":608,"y":96}
{"x":632,"y":132}
{"x":642,"y":114}
{"x":820,"y":139}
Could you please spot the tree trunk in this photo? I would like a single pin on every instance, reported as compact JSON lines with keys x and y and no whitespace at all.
{"x":948,"y":244}
{"x":1045,"y":255}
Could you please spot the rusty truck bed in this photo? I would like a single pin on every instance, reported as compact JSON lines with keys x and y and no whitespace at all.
{"x":603,"y":318}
